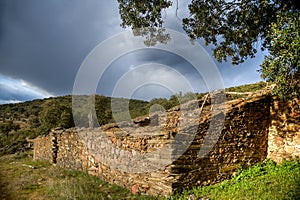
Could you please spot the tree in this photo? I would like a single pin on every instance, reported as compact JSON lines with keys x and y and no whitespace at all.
{"x":162,"y":102}
{"x":6,"y":128}
{"x":66,"y":118}
{"x":55,"y":114}
{"x":282,"y":65}
{"x":33,"y":121}
{"x":145,"y":19}
{"x":236,"y":29}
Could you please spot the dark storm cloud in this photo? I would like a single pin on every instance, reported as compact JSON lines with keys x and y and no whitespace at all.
{"x":45,"y":42}
{"x":133,"y":60}
{"x":2,"y":9}
{"x":169,"y":59}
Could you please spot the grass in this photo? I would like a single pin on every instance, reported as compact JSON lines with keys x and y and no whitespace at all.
{"x":23,"y":178}
{"x":262,"y":181}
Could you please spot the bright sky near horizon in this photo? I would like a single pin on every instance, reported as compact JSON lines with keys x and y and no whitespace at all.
{"x":43,"y":43}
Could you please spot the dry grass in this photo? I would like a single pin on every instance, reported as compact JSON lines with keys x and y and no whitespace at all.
{"x":22,"y":178}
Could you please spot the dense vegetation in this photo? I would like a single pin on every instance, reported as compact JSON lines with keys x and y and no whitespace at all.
{"x":23,"y":121}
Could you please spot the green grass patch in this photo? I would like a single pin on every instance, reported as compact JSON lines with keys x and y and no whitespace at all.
{"x":262,"y":181}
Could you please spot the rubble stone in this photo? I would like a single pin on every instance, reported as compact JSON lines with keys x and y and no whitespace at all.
{"x":254,"y":129}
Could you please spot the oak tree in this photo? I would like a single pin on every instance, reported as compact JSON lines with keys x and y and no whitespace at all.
{"x":236,"y":29}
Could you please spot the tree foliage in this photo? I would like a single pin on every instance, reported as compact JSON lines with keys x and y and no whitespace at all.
{"x":282,"y":65}
{"x":55,"y":114}
{"x":145,"y":19}
{"x":142,"y":13}
{"x":7,"y":127}
{"x":235,"y":29}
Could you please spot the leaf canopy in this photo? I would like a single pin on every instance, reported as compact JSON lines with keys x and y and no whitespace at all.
{"x":236,"y":29}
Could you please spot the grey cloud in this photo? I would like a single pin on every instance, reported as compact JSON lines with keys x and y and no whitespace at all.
{"x":46,"y":41}
{"x":132,"y":60}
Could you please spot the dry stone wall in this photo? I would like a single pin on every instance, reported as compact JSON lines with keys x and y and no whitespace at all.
{"x":141,"y":155}
{"x":284,"y":132}
{"x":43,"y":148}
{"x":243,"y":141}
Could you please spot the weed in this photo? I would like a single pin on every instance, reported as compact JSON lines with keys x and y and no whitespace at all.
{"x":265,"y":180}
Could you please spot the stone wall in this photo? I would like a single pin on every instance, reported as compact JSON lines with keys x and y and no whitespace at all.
{"x":43,"y":148}
{"x":116,"y":152}
{"x":284,"y":132}
{"x":243,"y":141}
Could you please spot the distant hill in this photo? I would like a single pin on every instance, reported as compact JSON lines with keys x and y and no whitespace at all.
{"x":22,"y":121}
{"x":23,"y":112}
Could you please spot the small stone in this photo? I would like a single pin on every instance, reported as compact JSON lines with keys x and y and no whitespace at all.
{"x":133,"y":153}
{"x":290,"y":149}
{"x":192,"y":197}
{"x":134,"y":189}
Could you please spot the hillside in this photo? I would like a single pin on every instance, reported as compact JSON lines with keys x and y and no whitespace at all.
{"x":22,"y":121}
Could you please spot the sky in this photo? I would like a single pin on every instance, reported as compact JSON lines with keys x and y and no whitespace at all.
{"x":44,"y":43}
